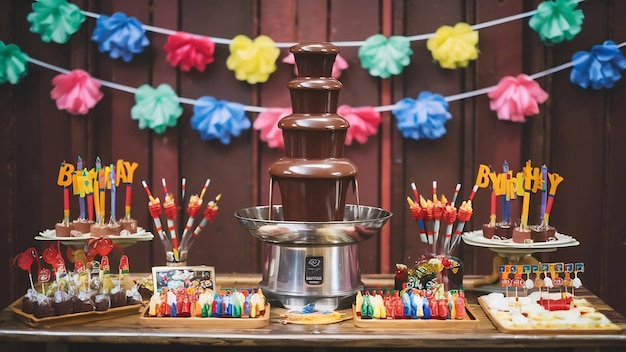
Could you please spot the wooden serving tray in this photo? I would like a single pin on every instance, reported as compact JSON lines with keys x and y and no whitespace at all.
{"x":195,"y":322}
{"x":608,"y":329}
{"x":69,"y":319}
{"x":469,"y":322}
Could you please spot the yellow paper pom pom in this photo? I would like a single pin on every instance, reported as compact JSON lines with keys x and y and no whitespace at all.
{"x":252,"y":60}
{"x":454,"y":47}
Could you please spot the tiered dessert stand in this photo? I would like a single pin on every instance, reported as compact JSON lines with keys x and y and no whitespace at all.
{"x":509,"y":252}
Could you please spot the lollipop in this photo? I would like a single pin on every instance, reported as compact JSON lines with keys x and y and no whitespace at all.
{"x":25,"y":260}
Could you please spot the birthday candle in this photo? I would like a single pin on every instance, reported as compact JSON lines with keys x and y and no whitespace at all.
{"x":492,"y":213}
{"x":506,"y":202}
{"x":127,"y":205}
{"x":102,"y":189}
{"x":96,"y":193}
{"x":113,"y":191}
{"x":81,"y":197}
{"x":544,"y":191}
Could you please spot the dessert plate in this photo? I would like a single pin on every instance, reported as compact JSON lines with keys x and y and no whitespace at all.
{"x":121,"y":240}
{"x":476,"y":238}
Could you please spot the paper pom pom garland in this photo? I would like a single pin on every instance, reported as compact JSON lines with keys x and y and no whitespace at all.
{"x":12,"y":63}
{"x":384,"y":57}
{"x":156,"y":109}
{"x":55,"y":20}
{"x":599,"y":68}
{"x":267,"y":125}
{"x":75,"y":92}
{"x":216,"y":119}
{"x":454,"y":47}
{"x":252,"y":60}
{"x":120,"y":36}
{"x":422,"y":118}
{"x":186,"y":51}
{"x":363,"y":121}
{"x":557,"y":20}
{"x":516,"y":97}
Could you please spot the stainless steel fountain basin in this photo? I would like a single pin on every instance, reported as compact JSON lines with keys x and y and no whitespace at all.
{"x":359,"y":223}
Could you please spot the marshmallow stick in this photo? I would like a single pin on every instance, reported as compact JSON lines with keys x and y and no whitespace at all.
{"x":169,"y":206}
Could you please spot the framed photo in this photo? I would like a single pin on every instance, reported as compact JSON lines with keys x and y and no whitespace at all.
{"x":175,"y":277}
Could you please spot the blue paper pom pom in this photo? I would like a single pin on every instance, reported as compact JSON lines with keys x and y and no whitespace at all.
{"x":120,"y":36}
{"x":599,"y":68}
{"x":217,"y":119}
{"x":422,"y":118}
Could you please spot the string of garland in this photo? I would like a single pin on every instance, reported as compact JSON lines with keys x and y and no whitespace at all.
{"x":513,"y":98}
{"x":158,"y":108}
{"x":254,"y":60}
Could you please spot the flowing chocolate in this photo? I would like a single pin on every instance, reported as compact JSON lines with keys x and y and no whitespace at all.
{"x":313,"y":176}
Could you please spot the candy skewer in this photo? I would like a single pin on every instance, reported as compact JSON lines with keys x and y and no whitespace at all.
{"x":416,"y":212}
{"x":457,"y":189}
{"x":169,"y":206}
{"x":449,"y":215}
{"x":463,"y":215}
{"x":438,"y":209}
{"x":209,"y":214}
{"x":195,"y":203}
{"x":154,"y":206}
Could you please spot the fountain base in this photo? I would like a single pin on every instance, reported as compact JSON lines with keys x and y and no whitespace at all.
{"x":312,"y":262}
{"x":326,"y":276}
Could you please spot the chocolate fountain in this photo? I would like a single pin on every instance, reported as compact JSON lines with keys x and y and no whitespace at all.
{"x":311,"y":241}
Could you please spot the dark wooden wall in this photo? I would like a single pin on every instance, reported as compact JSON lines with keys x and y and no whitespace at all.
{"x":578,"y":133}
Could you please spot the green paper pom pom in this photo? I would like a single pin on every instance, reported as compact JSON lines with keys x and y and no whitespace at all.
{"x":13,"y":63}
{"x":55,"y":20}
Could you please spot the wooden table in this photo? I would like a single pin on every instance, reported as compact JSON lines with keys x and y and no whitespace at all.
{"x":101,"y":335}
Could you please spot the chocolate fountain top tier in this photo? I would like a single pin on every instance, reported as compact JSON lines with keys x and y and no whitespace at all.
{"x":314,"y":130}
{"x":314,"y":59}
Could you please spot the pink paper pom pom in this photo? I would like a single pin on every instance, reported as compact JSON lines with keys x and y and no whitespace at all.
{"x":516,"y":97}
{"x":267,"y":123}
{"x":186,"y":51}
{"x":339,"y":65}
{"x":75,"y":92}
{"x":363,"y":121}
